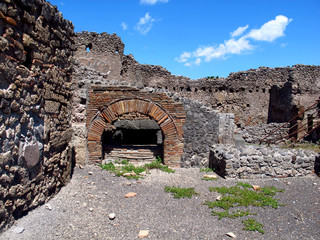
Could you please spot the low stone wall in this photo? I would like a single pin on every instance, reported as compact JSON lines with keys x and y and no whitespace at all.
{"x":35,"y":93}
{"x":261,"y":162}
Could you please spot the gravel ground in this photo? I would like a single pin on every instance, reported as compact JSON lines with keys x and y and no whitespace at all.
{"x":80,"y":210}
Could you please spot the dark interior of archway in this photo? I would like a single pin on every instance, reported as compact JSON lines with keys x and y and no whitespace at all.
{"x":133,"y":135}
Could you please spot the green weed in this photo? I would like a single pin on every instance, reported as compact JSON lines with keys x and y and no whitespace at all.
{"x":234,"y":214}
{"x":209,"y":179}
{"x":252,"y":225}
{"x":242,"y":194}
{"x":206,"y":169}
{"x":130,"y":171}
{"x":157,"y":164}
{"x":179,"y":192}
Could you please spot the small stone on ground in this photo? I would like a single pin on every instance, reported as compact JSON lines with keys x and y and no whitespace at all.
{"x":130,"y":195}
{"x":143,"y":233}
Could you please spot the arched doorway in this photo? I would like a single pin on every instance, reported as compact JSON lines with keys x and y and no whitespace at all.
{"x":129,"y":126}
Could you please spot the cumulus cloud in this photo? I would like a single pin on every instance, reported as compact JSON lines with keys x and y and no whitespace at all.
{"x":239,"y":31}
{"x":152,"y":2}
{"x":270,"y":30}
{"x":124,"y":26}
{"x":236,"y":44}
{"x":145,"y":24}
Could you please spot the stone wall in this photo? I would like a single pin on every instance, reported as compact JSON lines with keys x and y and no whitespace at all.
{"x":203,"y":126}
{"x":261,"y":162}
{"x":35,"y":93}
{"x":253,"y":96}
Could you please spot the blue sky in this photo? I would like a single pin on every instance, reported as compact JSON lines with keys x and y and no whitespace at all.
{"x":200,"y":38}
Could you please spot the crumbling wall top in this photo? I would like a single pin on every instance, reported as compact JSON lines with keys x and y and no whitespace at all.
{"x":98,"y":42}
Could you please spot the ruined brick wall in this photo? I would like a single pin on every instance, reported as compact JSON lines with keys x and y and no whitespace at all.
{"x":203,"y":126}
{"x":109,"y":103}
{"x":35,"y":93}
{"x":247,"y":94}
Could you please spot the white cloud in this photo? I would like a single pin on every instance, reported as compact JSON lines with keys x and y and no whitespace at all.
{"x":239,"y":31}
{"x":270,"y":30}
{"x":145,"y":24}
{"x":124,"y":26}
{"x":197,"y":61}
{"x":184,"y":57}
{"x":152,"y":2}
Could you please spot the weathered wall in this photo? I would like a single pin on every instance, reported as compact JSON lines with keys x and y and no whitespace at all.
{"x":261,"y":162}
{"x":202,"y":128}
{"x":250,"y":95}
{"x":109,"y":103}
{"x":35,"y":67}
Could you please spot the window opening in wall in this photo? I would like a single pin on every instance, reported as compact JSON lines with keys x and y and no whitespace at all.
{"x":196,"y":90}
{"x":174,"y":88}
{"x":203,"y":89}
{"x":188,"y":89}
{"x":181,"y":88}
{"x":250,"y":91}
{"x":264,"y":90}
{"x":88,"y":47}
{"x":231,"y":90}
{"x":210,"y":90}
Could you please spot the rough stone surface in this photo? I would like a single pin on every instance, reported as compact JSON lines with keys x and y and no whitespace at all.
{"x":261,"y":162}
{"x":35,"y":93}
{"x":257,"y":96}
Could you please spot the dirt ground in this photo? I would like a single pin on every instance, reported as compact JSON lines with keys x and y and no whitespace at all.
{"x":81,"y":209}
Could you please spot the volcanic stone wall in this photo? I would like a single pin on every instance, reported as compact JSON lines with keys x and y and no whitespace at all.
{"x":257,"y":96}
{"x":35,"y":92}
{"x":262,"y":162}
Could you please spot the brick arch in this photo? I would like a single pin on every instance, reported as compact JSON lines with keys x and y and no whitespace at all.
{"x":173,"y":146}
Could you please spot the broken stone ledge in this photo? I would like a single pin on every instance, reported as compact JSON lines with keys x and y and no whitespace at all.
{"x":262,"y":162}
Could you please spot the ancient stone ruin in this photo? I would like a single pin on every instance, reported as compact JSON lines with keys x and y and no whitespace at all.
{"x":69,"y":98}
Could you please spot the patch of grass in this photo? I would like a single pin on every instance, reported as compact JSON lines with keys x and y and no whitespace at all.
{"x":130,"y":171}
{"x":243,"y":195}
{"x":209,"y":179}
{"x":157,"y":164}
{"x":252,"y":225}
{"x":306,"y":146}
{"x":179,"y":192}
{"x":206,"y":169}
{"x":234,"y":214}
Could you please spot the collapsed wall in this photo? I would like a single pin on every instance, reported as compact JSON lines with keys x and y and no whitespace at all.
{"x":99,"y":103}
{"x":256,"y":97}
{"x":35,"y":91}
